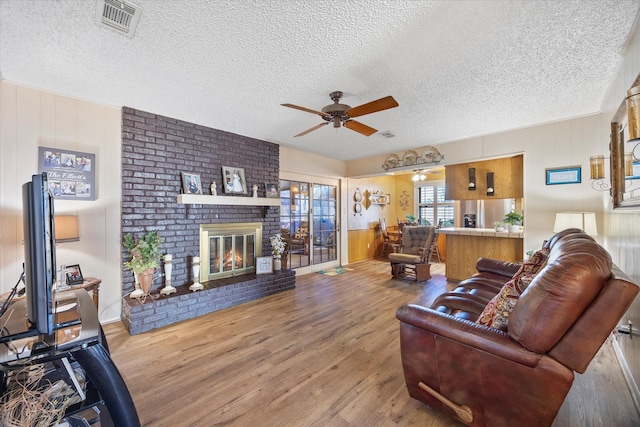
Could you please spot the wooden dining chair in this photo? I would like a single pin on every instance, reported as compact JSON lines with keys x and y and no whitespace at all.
{"x":390,"y":244}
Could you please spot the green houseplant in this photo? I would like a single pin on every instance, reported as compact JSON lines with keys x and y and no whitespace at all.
{"x":411,"y":218}
{"x":514,"y":220}
{"x":145,"y":256}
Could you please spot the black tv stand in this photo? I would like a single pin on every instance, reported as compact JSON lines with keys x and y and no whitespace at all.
{"x":78,"y":339}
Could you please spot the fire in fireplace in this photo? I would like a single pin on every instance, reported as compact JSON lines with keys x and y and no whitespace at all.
{"x":229,"y":249}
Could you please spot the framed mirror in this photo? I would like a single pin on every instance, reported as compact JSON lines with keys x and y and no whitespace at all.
{"x":625,"y":151}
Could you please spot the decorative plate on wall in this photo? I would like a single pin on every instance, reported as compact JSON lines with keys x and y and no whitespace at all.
{"x":431,"y":155}
{"x":392,"y":161}
{"x":410,"y":158}
{"x":357,"y":195}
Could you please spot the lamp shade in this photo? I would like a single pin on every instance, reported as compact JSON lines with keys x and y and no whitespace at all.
{"x":66,"y":228}
{"x":585,"y":221}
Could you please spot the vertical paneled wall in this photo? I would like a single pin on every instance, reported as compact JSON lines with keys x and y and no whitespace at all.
{"x":31,"y":118}
{"x":155,"y":149}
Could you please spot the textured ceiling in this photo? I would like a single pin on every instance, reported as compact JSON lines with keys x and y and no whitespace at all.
{"x":457,"y":68}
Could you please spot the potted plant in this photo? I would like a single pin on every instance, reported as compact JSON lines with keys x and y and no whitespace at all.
{"x":499,"y":226}
{"x":411,"y":218}
{"x":513,"y":219}
{"x":145,"y":256}
{"x":278,"y":246}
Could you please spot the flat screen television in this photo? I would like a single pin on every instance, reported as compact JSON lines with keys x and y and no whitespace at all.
{"x":39,"y":253}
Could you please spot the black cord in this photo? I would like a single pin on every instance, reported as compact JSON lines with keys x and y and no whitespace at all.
{"x":12,"y":294}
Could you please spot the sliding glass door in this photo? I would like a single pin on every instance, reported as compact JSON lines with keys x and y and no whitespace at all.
{"x":309,"y":223}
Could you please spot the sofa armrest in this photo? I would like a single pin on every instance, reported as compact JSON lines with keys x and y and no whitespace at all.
{"x":503,"y":268}
{"x":490,"y":340}
{"x":469,"y":303}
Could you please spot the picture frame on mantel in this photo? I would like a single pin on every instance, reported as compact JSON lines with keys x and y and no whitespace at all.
{"x":271,"y":190}
{"x":233,"y":180}
{"x":191,"y":183}
{"x":264,"y":265}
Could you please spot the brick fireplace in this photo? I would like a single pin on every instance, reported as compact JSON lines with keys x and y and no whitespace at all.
{"x":155,"y":149}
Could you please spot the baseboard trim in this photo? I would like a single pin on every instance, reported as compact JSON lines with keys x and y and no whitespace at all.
{"x":628,"y":377}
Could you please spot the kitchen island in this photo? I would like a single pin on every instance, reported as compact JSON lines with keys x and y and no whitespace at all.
{"x":465,"y":245}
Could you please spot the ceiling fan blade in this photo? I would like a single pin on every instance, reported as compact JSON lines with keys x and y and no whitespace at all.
{"x":308,"y":110}
{"x":312,"y":129}
{"x":360,"y":127}
{"x":373,"y":107}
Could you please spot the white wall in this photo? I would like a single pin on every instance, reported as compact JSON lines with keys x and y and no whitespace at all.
{"x":30,"y":118}
{"x":565,"y":143}
{"x":622,"y":228}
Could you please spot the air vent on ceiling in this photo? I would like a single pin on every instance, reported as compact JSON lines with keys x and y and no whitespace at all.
{"x":118,"y":14}
{"x":387,"y":134}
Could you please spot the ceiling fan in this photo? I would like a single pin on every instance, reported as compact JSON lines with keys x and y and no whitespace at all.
{"x":337,"y":113}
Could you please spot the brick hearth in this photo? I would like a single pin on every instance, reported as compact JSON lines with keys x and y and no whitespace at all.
{"x":216,"y":295}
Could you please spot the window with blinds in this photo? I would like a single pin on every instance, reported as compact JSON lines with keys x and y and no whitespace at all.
{"x":433,"y":208}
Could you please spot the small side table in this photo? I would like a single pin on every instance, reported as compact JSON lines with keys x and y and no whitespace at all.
{"x":91,"y":284}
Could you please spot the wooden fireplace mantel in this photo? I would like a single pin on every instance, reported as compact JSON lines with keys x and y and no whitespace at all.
{"x":205,"y":199}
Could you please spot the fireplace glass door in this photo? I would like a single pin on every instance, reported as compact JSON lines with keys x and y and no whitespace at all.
{"x":228,"y":249}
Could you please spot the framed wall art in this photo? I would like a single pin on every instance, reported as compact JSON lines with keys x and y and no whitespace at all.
{"x":271,"y":190}
{"x":71,"y":174}
{"x":264,"y":265}
{"x":568,"y":175}
{"x":191,"y":183}
{"x":233,"y":180}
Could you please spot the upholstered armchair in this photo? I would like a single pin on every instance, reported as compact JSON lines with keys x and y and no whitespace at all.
{"x":519,"y":374}
{"x":300,"y":241}
{"x":415,"y":252}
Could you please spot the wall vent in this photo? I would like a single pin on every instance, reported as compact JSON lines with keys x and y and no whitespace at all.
{"x":118,"y":14}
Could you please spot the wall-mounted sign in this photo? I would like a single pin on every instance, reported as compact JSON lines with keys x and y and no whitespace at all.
{"x":71,"y":174}
{"x":570,"y":175}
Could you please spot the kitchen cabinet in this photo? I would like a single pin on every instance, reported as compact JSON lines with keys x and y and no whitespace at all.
{"x":507,"y":176}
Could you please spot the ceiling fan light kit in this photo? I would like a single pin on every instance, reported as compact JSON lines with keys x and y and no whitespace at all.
{"x":342,"y":114}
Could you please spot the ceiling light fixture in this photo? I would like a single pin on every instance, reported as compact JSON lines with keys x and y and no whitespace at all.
{"x":418,"y":176}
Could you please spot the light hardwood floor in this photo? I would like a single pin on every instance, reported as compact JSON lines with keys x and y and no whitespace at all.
{"x":324,"y":354}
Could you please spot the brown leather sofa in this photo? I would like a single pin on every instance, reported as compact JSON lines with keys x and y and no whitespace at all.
{"x":520,"y":376}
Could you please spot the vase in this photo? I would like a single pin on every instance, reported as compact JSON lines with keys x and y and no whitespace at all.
{"x":146,"y":280}
{"x":277,"y":264}
{"x":514,"y":228}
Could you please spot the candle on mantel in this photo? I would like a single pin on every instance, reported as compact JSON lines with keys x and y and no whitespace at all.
{"x":196,"y":285}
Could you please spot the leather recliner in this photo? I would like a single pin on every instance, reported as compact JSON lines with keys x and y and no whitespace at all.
{"x":484,"y":376}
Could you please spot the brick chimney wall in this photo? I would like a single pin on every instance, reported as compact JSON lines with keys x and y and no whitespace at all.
{"x":155,"y":149}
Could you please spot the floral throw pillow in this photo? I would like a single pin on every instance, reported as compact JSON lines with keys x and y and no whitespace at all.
{"x":534,"y":264}
{"x":496,"y":313}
